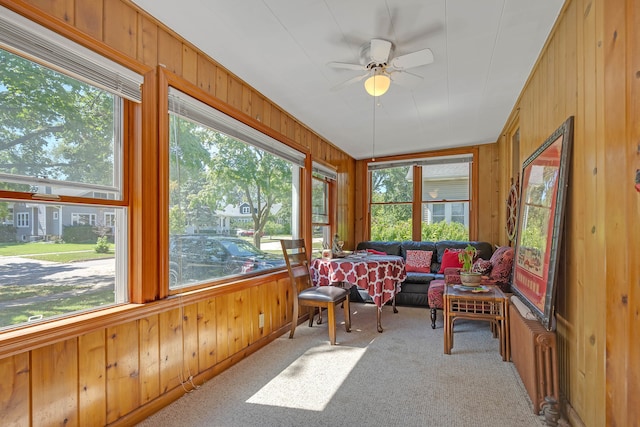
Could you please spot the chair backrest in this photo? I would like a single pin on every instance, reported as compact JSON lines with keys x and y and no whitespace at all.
{"x":295,"y":255}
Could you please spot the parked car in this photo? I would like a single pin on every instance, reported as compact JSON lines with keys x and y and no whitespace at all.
{"x":194,"y":258}
{"x":245,"y":233}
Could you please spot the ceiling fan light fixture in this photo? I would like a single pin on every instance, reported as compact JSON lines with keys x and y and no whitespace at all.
{"x":378,"y":84}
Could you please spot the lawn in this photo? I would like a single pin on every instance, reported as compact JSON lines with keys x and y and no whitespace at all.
{"x":35,"y":248}
{"x":53,"y":301}
{"x":56,"y":252}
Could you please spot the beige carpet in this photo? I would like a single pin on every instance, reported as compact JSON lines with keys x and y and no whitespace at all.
{"x":397,"y":378}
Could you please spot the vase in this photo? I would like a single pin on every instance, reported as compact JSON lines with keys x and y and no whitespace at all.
{"x":470,"y":279}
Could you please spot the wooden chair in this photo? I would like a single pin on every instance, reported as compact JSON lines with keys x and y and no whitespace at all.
{"x":306,"y":294}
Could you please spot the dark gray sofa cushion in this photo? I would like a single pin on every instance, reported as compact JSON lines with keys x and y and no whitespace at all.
{"x":414,"y":277}
{"x":391,"y":248}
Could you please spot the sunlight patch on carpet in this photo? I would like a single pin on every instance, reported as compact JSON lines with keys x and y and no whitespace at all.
{"x":307,"y":383}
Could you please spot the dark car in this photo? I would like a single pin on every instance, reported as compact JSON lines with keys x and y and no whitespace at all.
{"x":194,"y":258}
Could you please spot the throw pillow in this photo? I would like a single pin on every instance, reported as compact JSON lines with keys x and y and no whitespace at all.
{"x":450,"y":259}
{"x":502,"y":261}
{"x":375,"y":252}
{"x":419,"y":261}
{"x":482,"y":266}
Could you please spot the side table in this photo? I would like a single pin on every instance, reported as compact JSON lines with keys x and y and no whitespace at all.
{"x":491,"y":305}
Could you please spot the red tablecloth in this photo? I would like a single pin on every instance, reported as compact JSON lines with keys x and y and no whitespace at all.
{"x":380,"y":275}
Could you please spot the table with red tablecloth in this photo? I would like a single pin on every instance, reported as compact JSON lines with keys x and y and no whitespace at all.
{"x":379,"y":275}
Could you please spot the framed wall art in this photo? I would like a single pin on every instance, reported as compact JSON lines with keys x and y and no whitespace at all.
{"x":540,"y":220}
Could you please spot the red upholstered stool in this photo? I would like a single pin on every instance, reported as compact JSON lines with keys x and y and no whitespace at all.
{"x":434,"y":295}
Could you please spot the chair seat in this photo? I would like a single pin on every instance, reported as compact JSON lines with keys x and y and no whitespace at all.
{"x":323,"y":294}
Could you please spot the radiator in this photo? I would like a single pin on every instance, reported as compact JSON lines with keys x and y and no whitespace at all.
{"x":534,"y":354}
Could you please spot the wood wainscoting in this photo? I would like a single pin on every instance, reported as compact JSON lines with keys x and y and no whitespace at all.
{"x":120,"y":373}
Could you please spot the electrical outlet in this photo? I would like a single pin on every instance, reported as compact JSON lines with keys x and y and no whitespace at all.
{"x":261,"y":320}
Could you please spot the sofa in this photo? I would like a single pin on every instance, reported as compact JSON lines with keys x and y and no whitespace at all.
{"x":414,"y":289}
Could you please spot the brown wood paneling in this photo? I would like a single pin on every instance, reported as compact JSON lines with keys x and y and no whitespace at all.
{"x":247,"y":100}
{"x":120,"y":27}
{"x":490,"y":223}
{"x":171,"y":351}
{"x":89,"y":17}
{"x":92,"y":376}
{"x":169,"y":52}
{"x":61,"y":9}
{"x":207,"y":334}
{"x":632,"y":214}
{"x":149,"y":336}
{"x":222,"y":86}
{"x":189,"y":64}
{"x":615,"y":119}
{"x":222,"y":326}
{"x":122,"y":370}
{"x":54,"y":384}
{"x":15,"y":390}
{"x":238,"y":318}
{"x":147,"y":41}
{"x":234,"y":92}
{"x":190,"y":340}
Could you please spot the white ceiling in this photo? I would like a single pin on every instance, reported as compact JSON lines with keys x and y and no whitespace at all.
{"x":484,"y":51}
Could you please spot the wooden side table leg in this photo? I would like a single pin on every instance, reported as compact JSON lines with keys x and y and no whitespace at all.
{"x":447,"y":326}
{"x":379,"y":319}
{"x":507,"y":331}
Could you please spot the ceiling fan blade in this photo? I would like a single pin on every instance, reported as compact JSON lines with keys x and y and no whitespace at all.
{"x":380,"y":50}
{"x":405,"y":78}
{"x":350,"y":81}
{"x":347,"y":66}
{"x":414,"y":59}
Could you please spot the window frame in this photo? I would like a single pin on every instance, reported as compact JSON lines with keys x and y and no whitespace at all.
{"x":23,"y":220}
{"x":329,"y":176}
{"x":417,"y":202}
{"x":99,"y":62}
{"x":168,"y":80}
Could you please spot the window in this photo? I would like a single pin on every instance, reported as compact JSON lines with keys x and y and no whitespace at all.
{"x":61,"y":146}
{"x":444,"y":204}
{"x":22,"y":219}
{"x":109,"y":219}
{"x":322,"y":189}
{"x":220,"y":168}
{"x":445,"y":195}
{"x":83,"y":219}
{"x":391,"y":203}
{"x":437,"y":213}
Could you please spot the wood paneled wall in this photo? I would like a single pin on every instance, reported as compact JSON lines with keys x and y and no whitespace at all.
{"x":590,"y":69}
{"x":123,"y":364}
{"x":122,"y":372}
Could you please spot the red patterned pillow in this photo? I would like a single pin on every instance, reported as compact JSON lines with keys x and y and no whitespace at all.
{"x":419,"y":261}
{"x":502,"y":261}
{"x":482,"y":266}
{"x":450,"y":259}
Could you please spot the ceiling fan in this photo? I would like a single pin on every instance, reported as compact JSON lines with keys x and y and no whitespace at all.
{"x":381,"y":68}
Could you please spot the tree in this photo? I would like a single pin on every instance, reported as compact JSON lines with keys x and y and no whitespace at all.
{"x":52,"y":125}
{"x":243,"y":173}
{"x":209,"y":170}
{"x":391,"y":196}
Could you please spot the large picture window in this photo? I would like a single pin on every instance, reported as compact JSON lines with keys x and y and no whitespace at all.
{"x":233,"y":193}
{"x":445,"y":183}
{"x":61,"y":144}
